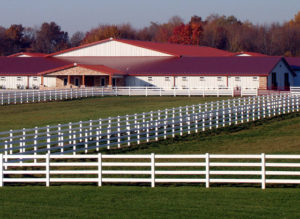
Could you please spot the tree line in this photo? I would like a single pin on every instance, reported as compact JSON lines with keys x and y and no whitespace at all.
{"x":222,"y":32}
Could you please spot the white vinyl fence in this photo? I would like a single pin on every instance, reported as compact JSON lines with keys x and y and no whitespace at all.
{"x":35,"y":96}
{"x":260,"y":169}
{"x":114,"y":132}
{"x":295,"y":90}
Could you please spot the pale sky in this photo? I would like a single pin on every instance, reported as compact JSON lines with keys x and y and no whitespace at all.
{"x":73,"y":15}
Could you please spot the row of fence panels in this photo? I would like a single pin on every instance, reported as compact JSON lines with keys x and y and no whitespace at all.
{"x":114,"y":132}
{"x":32,"y":96}
{"x":207,"y":169}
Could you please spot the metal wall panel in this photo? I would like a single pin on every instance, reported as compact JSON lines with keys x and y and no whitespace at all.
{"x":113,"y":48}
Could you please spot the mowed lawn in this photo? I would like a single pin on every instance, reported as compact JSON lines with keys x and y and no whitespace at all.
{"x":41,"y":114}
{"x":145,"y":202}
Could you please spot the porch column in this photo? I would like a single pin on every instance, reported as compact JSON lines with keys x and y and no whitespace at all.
{"x":83,"y":81}
{"x":42,"y":80}
{"x":69,"y":79}
{"x":109,"y":80}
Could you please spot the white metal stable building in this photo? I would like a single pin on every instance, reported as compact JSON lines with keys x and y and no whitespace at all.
{"x":116,"y":62}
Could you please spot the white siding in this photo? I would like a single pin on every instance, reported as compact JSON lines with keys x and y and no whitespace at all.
{"x":243,"y":82}
{"x":200,"y":82}
{"x":34,"y":82}
{"x":280,"y":69}
{"x":13,"y":82}
{"x":50,"y":81}
{"x":193,"y":81}
{"x":113,"y":48}
{"x":157,"y":81}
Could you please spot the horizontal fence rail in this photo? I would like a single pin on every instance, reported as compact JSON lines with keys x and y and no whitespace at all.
{"x":123,"y":131}
{"x":260,"y":169}
{"x":35,"y":96}
{"x":295,"y":90}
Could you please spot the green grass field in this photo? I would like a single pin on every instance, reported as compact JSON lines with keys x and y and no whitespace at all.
{"x":276,"y":135}
{"x":141,"y":202}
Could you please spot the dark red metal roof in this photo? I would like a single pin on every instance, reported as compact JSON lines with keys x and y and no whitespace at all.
{"x":168,"y":48}
{"x":185,"y":65}
{"x":250,"y":54}
{"x":160,"y":66}
{"x":294,"y":62}
{"x":28,"y":66}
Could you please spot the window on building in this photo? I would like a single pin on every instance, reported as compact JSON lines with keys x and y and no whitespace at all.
{"x":149,"y":78}
{"x":237,"y":78}
{"x":202,"y":78}
{"x":220,"y":79}
{"x":167,"y":78}
{"x":102,"y":82}
{"x":114,"y":82}
{"x":65,"y":81}
{"x":184,"y":78}
{"x":35,"y":78}
{"x":2,"y":78}
{"x":255,"y":78}
{"x":19,"y":78}
{"x":77,"y":82}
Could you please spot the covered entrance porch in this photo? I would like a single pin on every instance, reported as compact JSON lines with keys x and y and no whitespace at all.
{"x":79,"y":76}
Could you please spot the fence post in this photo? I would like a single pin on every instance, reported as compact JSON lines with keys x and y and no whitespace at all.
{"x":86,"y":141}
{"x":263,"y":171}
{"x":48,"y":139}
{"x":138,"y":134}
{"x":35,"y":142}
{"x":5,"y":152}
{"x":165,"y":123}
{"x":119,"y":132}
{"x":156,"y":131}
{"x":128,"y":130}
{"x":108,"y":132}
{"x":147,"y":132}
{"x":173,"y":122}
{"x":1,"y":170}
{"x":21,"y":99}
{"x":207,"y":170}
{"x":10,"y":140}
{"x":99,"y":169}
{"x":74,"y":142}
{"x":152,"y":170}
{"x":48,"y":169}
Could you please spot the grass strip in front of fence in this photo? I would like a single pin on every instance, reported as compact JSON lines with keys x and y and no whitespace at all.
{"x":142,"y":202}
